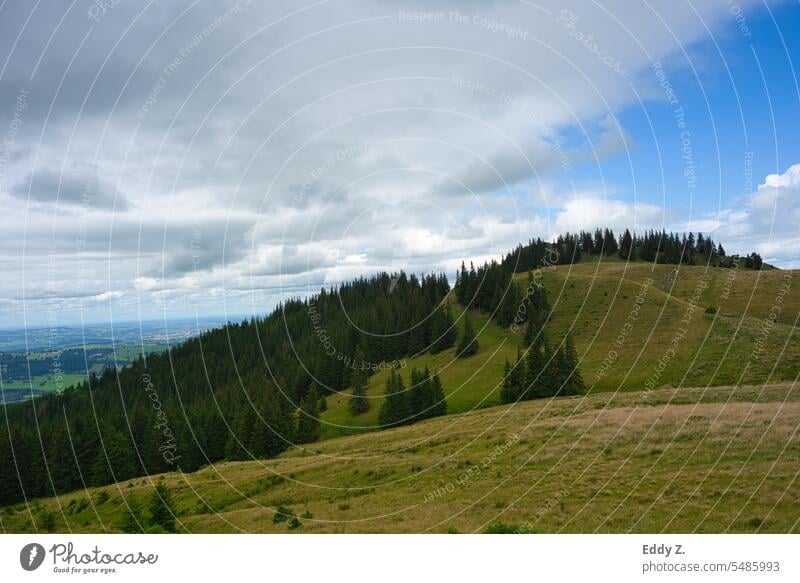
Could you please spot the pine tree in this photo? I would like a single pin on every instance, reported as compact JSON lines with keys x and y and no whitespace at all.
{"x":162,"y":508}
{"x":132,"y":520}
{"x":534,"y":370}
{"x":359,"y":403}
{"x":513,"y":388}
{"x":438,"y":400}
{"x":552,"y":367}
{"x":419,"y":395}
{"x":626,"y":246}
{"x":443,"y":330}
{"x":573,"y":384}
{"x":395,"y":408}
{"x":308,"y":424}
{"x":468,"y":345}
{"x":509,"y":304}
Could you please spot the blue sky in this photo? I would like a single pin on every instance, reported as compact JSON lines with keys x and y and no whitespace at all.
{"x":741,"y":108}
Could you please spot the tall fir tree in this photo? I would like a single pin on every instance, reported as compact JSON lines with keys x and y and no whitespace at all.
{"x":573,"y":384}
{"x":626,"y":246}
{"x":534,"y":369}
{"x":359,"y":403}
{"x":443,"y":330}
{"x":468,"y":345}
{"x":395,"y":407}
{"x":162,"y":508}
{"x":308,"y":423}
{"x":438,"y":400}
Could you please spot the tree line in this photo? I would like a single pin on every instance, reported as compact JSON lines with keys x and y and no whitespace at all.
{"x":655,"y":246}
{"x":422,"y":400}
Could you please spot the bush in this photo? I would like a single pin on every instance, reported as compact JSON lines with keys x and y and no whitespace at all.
{"x":711,"y":310}
{"x":282,"y":514}
{"x":47,"y":521}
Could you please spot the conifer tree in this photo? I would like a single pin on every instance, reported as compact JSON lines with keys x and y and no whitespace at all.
{"x":468,"y":345}
{"x":308,"y":424}
{"x":573,"y":384}
{"x":509,"y":304}
{"x":132,"y":520}
{"x":438,"y":400}
{"x":419,"y":395}
{"x":626,"y":246}
{"x":162,"y":508}
{"x":443,"y":331}
{"x":359,"y":403}
{"x":513,"y":388}
{"x":534,"y":370}
{"x":552,"y":377}
{"x":395,"y":409}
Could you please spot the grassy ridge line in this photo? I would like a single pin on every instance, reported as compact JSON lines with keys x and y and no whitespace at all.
{"x":593,"y":301}
{"x":690,"y":459}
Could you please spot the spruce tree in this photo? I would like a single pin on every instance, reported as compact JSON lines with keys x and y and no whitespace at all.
{"x":132,"y":520}
{"x":308,"y":425}
{"x":359,"y":403}
{"x":162,"y":508}
{"x":395,"y":409}
{"x":468,"y":345}
{"x":534,"y":370}
{"x":551,"y":378}
{"x":514,"y":381}
{"x":438,"y":401}
{"x":574,"y":381}
{"x":626,"y":246}
{"x":443,"y":331}
{"x":509,"y":305}
{"x":419,"y":397}
{"x":506,"y":390}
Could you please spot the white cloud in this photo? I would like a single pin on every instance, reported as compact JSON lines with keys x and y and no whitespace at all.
{"x":108,"y":295}
{"x":769,"y":223}
{"x":329,"y":143}
{"x":588,"y":212}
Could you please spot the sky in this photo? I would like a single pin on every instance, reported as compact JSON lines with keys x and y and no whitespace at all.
{"x":182,"y":158}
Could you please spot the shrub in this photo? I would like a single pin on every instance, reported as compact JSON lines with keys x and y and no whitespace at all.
{"x":282,"y":514}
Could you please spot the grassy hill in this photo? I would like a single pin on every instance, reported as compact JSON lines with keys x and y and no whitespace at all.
{"x":596,"y":302}
{"x":675,"y":460}
{"x":690,"y":423}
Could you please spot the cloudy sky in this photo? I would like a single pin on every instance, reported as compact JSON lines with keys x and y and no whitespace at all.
{"x":180,"y":158}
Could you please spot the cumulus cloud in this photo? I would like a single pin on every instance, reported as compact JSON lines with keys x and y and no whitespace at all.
{"x":587,"y":212}
{"x":261,"y":148}
{"x":768,"y":222}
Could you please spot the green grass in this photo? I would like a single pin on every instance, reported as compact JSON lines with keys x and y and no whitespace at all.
{"x":47,"y":382}
{"x":674,"y":460}
{"x":594,"y":301}
{"x":713,"y":447}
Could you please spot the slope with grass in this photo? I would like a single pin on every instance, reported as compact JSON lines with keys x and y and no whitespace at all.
{"x":724,"y":459}
{"x":635,"y":325}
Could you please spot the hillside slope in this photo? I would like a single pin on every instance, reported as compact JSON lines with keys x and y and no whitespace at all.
{"x":674,"y":460}
{"x":635,"y":326}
